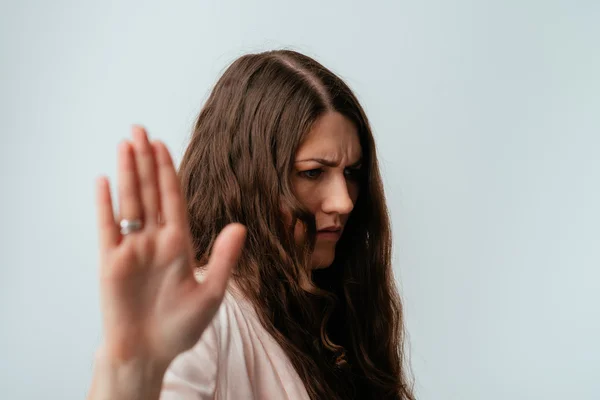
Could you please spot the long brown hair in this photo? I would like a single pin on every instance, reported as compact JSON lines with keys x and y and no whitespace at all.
{"x":342,"y":327}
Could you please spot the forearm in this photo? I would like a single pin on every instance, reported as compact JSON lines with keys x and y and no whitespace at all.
{"x":134,"y":380}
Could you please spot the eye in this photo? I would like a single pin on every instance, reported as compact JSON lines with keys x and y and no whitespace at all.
{"x":353,"y":173}
{"x":311,"y":173}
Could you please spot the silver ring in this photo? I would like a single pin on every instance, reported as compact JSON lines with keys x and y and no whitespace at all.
{"x":130,"y":225}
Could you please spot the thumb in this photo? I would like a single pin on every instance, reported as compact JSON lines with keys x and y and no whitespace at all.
{"x":224,"y":256}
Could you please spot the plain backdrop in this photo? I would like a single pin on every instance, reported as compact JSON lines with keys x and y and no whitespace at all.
{"x":487,"y":120}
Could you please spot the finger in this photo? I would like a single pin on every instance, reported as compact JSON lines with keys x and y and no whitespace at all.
{"x":108,"y":233}
{"x":146,"y":168}
{"x":129,"y":199}
{"x":171,"y":198}
{"x":224,"y":256}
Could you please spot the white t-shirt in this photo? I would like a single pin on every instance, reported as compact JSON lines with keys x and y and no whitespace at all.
{"x":235,"y":359}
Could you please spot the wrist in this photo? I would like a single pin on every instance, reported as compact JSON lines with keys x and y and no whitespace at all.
{"x":133,"y":379}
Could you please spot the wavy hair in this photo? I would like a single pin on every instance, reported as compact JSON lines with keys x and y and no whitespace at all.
{"x":342,"y":326}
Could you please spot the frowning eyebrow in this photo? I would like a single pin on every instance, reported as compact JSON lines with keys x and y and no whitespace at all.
{"x":330,"y":163}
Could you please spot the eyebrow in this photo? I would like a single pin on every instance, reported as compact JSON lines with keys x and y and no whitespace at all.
{"x":329,"y":163}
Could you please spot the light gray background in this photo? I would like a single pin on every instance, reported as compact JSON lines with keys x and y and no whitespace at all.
{"x":487,"y":117}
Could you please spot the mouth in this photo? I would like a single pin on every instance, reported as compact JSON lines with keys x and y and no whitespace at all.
{"x":330,"y":233}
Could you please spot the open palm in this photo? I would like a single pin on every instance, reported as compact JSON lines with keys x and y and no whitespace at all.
{"x":153,"y":307}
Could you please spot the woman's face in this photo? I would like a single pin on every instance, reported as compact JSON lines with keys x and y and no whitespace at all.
{"x":325,"y":179}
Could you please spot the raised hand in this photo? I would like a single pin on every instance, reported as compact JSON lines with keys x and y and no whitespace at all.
{"x":153,"y":307}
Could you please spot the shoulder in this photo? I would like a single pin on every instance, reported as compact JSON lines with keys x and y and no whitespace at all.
{"x":221,"y":347}
{"x":233,"y":314}
{"x":234,"y":309}
{"x":234,"y":348}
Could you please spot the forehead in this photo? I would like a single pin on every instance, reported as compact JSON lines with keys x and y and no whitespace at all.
{"x":333,"y":136}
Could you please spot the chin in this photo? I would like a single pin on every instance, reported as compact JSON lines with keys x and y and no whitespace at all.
{"x":322,"y":261}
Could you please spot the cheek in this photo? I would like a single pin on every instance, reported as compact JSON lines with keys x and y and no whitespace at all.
{"x":353,"y":191}
{"x":310,"y":201}
{"x":307,"y":193}
{"x":298,"y":229}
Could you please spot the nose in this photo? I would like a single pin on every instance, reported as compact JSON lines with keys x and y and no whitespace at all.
{"x":338,"y":198}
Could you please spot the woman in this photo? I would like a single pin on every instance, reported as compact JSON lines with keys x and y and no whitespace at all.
{"x":280,"y":188}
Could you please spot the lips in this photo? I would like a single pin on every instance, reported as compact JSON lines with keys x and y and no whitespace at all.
{"x":330,"y":233}
{"x":333,"y":229}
